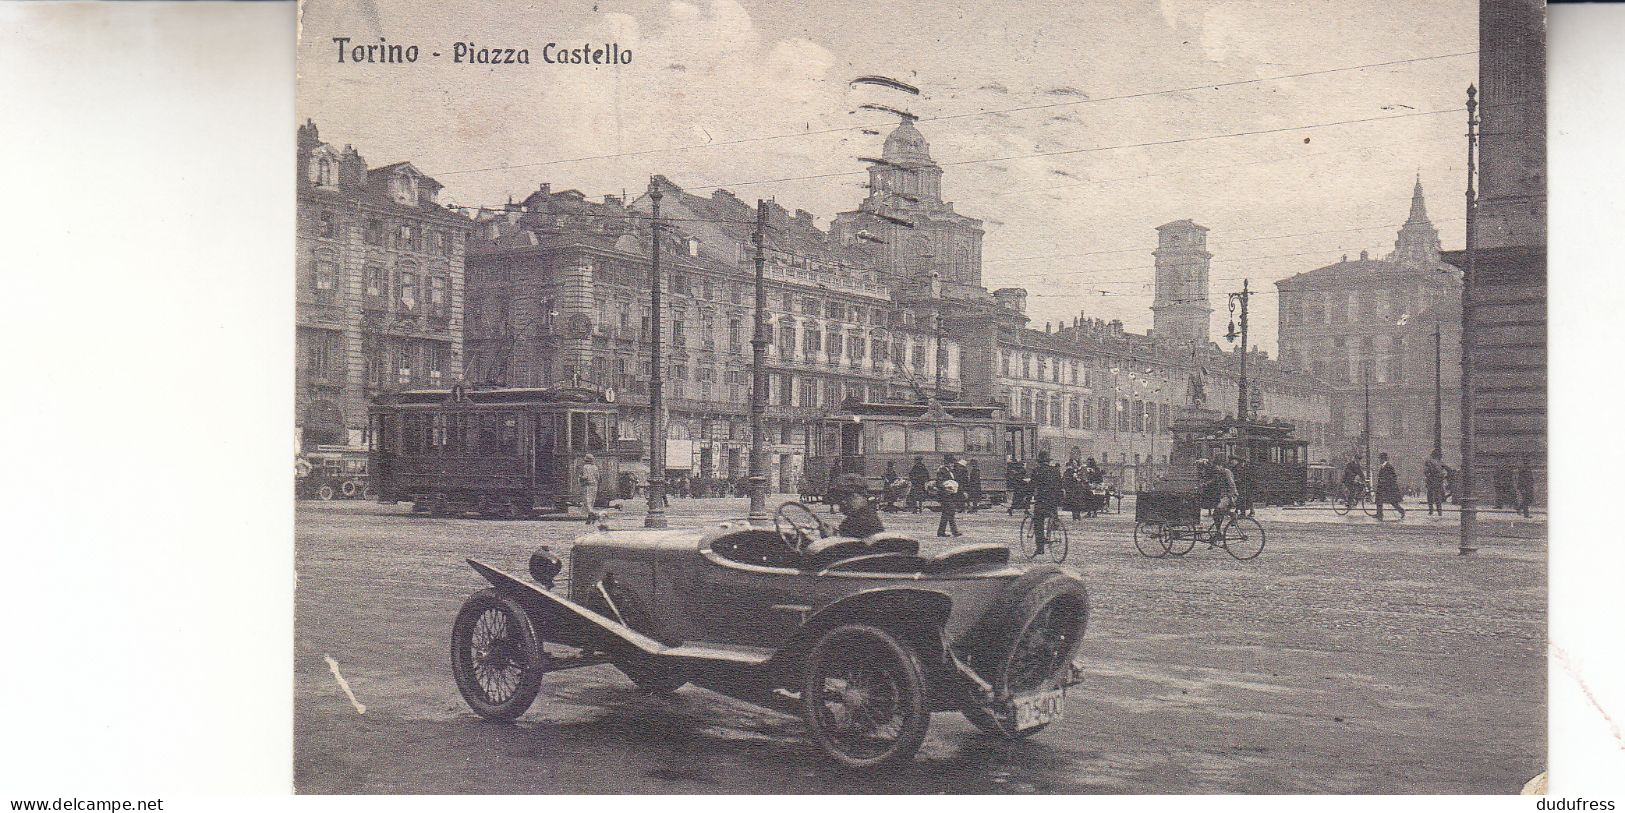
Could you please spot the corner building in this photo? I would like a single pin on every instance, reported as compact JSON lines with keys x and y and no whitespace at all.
{"x":379,"y":286}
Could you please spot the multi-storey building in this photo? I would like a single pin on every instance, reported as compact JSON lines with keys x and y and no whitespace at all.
{"x":1106,"y":393}
{"x":1509,"y":290}
{"x":887,"y":304}
{"x":1368,"y":325}
{"x":559,"y":291}
{"x":380,"y":281}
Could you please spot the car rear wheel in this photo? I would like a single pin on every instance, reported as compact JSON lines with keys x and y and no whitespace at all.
{"x":325,"y":492}
{"x":1034,"y":640}
{"x":864,"y":697}
{"x":496,"y":656}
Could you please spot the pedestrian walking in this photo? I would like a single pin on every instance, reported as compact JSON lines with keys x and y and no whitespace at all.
{"x":1243,"y":475}
{"x":1526,"y":487}
{"x":1433,"y":481}
{"x":589,"y":487}
{"x":918,"y":476}
{"x":1387,"y":486}
{"x":973,"y":486}
{"x":1073,"y":489}
{"x":948,"y":498}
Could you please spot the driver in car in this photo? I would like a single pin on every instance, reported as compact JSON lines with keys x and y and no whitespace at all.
{"x":861,"y":519}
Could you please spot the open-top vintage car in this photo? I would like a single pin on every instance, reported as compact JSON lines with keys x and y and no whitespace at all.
{"x":864,"y":638}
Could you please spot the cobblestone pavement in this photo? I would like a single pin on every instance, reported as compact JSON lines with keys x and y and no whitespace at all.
{"x":1350,"y":657}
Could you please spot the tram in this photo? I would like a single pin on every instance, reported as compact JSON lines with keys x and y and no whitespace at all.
{"x":499,"y":452}
{"x":863,"y":437}
{"x":1277,"y":464}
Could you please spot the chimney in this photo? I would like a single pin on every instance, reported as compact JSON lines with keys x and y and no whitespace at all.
{"x":1365,"y":255}
{"x":1011,"y":299}
{"x":1046,"y":328}
{"x":611,"y":200}
{"x":804,"y":217}
{"x":546,"y":189}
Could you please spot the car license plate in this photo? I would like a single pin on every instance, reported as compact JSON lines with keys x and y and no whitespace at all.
{"x":1039,"y":708}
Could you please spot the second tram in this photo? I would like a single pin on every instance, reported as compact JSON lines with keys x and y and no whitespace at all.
{"x":863,"y":437}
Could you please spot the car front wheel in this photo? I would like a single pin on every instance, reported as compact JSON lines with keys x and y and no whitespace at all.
{"x":496,"y":656}
{"x":864,"y":697}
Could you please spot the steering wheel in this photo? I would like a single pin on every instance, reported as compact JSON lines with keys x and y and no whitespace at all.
{"x":798,"y":525}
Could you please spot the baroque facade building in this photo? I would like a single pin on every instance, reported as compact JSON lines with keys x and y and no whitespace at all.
{"x":1369,"y":324}
{"x":379,"y":287}
{"x":887,"y":304}
{"x":559,"y":292}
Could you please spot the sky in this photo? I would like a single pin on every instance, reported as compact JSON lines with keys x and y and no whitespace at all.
{"x":1023,"y":107}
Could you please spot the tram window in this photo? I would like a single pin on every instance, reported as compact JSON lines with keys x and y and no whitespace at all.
{"x":979,"y":439}
{"x":597,"y":432}
{"x":437,"y":435}
{"x":456,"y":435}
{"x":510,"y":433}
{"x":891,"y":438}
{"x":950,"y":439}
{"x":578,"y":431}
{"x":546,"y":433}
{"x":488,"y":434}
{"x":922,"y":438}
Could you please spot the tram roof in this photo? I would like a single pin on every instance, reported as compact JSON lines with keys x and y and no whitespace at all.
{"x":905,"y":409}
{"x":500,"y":395}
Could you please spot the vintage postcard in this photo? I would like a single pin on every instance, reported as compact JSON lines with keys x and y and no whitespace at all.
{"x":749,"y":396}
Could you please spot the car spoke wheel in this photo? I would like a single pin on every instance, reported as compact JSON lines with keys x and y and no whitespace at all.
{"x":1150,"y":539}
{"x":1044,"y":633}
{"x":1243,"y":537}
{"x":864,"y":697}
{"x":496,"y":656}
{"x":325,"y":492}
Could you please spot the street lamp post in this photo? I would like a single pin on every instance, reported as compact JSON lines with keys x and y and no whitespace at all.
{"x":1465,"y":478}
{"x":758,"y":381}
{"x":656,"y":516}
{"x":1438,"y":393}
{"x":1241,"y":388}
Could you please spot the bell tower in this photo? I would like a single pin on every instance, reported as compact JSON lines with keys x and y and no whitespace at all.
{"x":1180,"y":311}
{"x":1418,"y":243}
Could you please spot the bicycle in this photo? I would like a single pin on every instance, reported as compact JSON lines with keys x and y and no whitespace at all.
{"x":1055,"y":548}
{"x":1345,"y":502}
{"x":1170,"y":524}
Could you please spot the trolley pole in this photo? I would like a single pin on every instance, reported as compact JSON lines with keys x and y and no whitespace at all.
{"x":656,"y":517}
{"x":758,"y":381}
{"x":942,"y":353}
{"x":1465,"y":478}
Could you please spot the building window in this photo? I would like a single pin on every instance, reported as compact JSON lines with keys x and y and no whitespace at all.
{"x":374,"y":232}
{"x":1396,"y":361}
{"x":1004,"y":364}
{"x":708,"y":338}
{"x":1026,"y":365}
{"x":919,"y":357}
{"x":408,"y":290}
{"x":327,"y":274}
{"x":377,"y":281}
{"x":324,"y":172}
{"x":437,"y":296}
{"x":679,"y":339}
{"x":734,"y":335}
{"x":328,"y":225}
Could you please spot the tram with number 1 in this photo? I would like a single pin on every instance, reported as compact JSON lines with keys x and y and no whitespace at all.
{"x":498,"y":452}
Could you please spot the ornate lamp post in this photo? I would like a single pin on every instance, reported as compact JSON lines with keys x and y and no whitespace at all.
{"x":1464,"y":479}
{"x":656,"y":517}
{"x":758,"y":382}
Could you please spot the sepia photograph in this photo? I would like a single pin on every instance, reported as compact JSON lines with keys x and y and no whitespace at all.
{"x":734,"y":396}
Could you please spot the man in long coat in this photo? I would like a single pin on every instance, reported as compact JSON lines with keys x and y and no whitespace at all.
{"x":1387,"y":486}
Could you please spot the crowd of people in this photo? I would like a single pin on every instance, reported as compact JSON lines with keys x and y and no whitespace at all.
{"x":1513,"y":489}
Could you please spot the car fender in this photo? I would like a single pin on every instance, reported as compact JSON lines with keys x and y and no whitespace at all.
{"x":563,"y":621}
{"x":917,"y":615}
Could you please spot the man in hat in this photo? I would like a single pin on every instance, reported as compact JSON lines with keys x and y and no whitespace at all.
{"x":853,"y":498}
{"x":1433,"y":479}
{"x":1046,"y":499}
{"x":1387,"y":486}
{"x":918,"y":476}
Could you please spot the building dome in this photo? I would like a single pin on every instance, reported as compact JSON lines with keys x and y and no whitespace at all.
{"x":906,"y":144}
